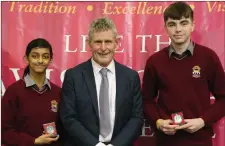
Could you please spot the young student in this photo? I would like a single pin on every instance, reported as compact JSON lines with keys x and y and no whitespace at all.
{"x":32,"y":101}
{"x":182,"y":76}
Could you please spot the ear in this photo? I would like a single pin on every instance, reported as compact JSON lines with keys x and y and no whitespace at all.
{"x":87,"y":42}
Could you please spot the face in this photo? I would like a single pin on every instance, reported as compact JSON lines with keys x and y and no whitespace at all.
{"x":103,"y":46}
{"x":38,"y":60}
{"x":179,"y":31}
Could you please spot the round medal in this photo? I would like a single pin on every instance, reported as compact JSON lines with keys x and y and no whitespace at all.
{"x":50,"y":129}
{"x":177,"y":119}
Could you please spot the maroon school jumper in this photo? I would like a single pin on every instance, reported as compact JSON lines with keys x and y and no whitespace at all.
{"x":184,"y":85}
{"x":24,"y":111}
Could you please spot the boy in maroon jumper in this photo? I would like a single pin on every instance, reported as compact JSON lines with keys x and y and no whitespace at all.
{"x":32,"y":101}
{"x":182,"y":76}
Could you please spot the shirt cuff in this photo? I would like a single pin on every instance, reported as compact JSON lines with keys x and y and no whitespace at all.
{"x":109,"y":145}
{"x":100,"y":144}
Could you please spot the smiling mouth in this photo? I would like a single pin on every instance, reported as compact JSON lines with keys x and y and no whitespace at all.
{"x":103,"y":54}
{"x":40,"y":66}
{"x":178,"y":35}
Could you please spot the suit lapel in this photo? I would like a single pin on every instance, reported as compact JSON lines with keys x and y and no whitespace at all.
{"x":90,"y":82}
{"x":119,"y":86}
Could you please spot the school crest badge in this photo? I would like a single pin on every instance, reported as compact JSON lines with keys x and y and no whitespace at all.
{"x":196,"y":72}
{"x":54,"y":106}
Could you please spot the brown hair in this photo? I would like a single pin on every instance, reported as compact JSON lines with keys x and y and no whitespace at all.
{"x":178,"y":10}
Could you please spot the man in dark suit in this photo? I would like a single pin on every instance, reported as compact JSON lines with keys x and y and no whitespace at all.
{"x":101,"y":103}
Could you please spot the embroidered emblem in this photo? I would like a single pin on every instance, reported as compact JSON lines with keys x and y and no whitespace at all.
{"x":54,"y":106}
{"x":196,"y":72}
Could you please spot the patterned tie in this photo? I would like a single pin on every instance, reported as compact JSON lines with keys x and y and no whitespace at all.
{"x":104,"y":104}
{"x":180,"y":56}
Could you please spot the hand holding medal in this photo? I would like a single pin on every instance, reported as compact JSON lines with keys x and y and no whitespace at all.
{"x":166,"y":126}
{"x":49,"y":135}
{"x":192,"y":125}
{"x":50,"y":128}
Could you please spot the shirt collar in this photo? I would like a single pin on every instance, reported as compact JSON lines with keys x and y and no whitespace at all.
{"x":29,"y":82}
{"x":97,"y":67}
{"x":190,"y":48}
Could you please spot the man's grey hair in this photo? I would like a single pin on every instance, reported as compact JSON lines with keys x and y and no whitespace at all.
{"x":101,"y":24}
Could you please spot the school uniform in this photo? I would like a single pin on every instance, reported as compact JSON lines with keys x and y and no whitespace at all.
{"x":25,"y":108}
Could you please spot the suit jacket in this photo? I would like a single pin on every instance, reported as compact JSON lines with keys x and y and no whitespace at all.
{"x":79,"y":106}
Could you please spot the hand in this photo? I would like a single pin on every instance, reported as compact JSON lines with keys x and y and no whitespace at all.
{"x":192,"y":125}
{"x":166,"y":127}
{"x":45,"y":139}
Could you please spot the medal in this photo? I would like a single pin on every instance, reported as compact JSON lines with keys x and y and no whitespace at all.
{"x":178,"y":118}
{"x":50,"y":128}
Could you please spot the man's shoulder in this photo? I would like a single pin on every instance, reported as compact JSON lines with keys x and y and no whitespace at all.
{"x":125,"y":69}
{"x":77,"y":68}
{"x":122,"y":66}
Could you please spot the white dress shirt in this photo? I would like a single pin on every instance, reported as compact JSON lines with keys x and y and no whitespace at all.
{"x":111,"y":74}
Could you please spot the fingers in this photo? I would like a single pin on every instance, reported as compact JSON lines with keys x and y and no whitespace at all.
{"x":168,"y":129}
{"x":187,"y":120}
{"x":191,"y":129}
{"x":46,"y":139}
{"x":187,"y":125}
{"x":169,"y":121}
{"x":45,"y":135}
{"x":49,"y":136}
{"x":54,"y":138}
{"x":191,"y":126}
{"x":169,"y":126}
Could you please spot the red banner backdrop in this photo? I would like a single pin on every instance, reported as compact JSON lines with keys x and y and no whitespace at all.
{"x":65,"y":26}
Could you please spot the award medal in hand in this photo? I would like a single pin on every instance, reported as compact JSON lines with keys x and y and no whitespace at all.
{"x":178,"y":118}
